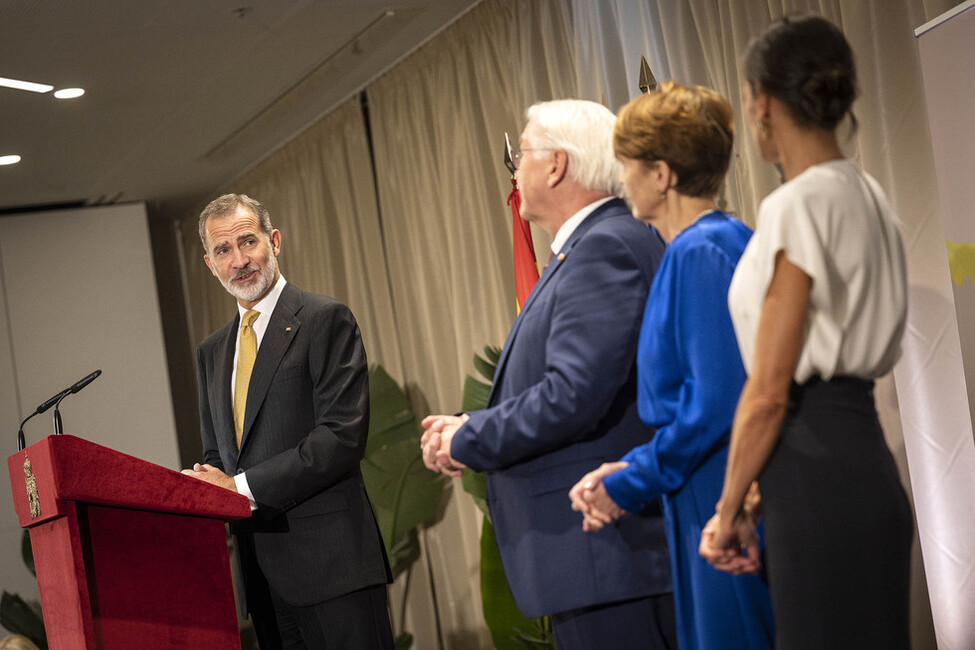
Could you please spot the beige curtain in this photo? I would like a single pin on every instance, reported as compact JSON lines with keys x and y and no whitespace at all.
{"x":431,"y":280}
{"x":438,"y":124}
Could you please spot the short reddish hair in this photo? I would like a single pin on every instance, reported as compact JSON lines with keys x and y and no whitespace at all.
{"x":690,"y":128}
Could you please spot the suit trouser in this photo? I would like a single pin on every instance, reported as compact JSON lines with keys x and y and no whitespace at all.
{"x":642,"y":623}
{"x":355,"y":621}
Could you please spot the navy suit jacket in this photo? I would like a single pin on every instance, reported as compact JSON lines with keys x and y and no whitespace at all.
{"x":314,"y":534}
{"x":563,"y":402}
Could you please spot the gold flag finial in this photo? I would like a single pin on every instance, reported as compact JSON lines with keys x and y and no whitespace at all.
{"x":647,"y":81}
{"x":508,"y":162}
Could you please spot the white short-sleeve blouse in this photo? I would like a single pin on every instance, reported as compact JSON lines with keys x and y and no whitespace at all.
{"x":833,"y":221}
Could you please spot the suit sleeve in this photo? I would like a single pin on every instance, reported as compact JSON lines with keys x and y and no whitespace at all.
{"x":704,"y":351}
{"x":211,"y":454}
{"x":589,"y":351}
{"x":331,"y":451}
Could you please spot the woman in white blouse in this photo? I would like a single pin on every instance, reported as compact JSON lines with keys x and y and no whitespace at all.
{"x":818,"y":302}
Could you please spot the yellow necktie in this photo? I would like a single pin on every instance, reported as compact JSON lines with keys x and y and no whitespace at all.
{"x":246,"y":353}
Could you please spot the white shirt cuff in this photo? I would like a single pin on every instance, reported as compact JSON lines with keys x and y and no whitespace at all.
{"x":240,"y":481}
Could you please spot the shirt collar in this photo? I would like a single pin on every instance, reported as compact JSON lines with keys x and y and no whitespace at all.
{"x":566,"y":229}
{"x":266,"y":304}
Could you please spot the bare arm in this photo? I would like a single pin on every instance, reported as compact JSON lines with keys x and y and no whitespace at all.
{"x":764,"y":398}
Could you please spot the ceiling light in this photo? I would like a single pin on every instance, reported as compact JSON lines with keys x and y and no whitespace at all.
{"x":25,"y":85}
{"x":9,"y":160}
{"x":69,"y":93}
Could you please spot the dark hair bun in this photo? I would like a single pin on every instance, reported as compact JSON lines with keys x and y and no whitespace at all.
{"x":826,"y":97}
{"x":806,"y":63}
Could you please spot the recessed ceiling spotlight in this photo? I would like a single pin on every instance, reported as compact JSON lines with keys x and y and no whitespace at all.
{"x":69,"y":93}
{"x":25,"y":85}
{"x":12,"y":159}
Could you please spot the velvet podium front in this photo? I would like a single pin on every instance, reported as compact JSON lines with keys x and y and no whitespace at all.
{"x":128,"y":554}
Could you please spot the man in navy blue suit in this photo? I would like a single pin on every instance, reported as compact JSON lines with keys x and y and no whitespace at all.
{"x":563,"y":399}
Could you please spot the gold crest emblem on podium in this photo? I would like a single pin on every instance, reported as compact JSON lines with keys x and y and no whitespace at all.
{"x":33,"y":500}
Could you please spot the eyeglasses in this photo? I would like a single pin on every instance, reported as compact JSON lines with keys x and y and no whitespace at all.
{"x":518,"y":154}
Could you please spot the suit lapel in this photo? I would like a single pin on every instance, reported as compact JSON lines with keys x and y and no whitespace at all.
{"x":600,"y":213}
{"x":536,"y":290}
{"x":281,"y":330}
{"x":223,"y":368}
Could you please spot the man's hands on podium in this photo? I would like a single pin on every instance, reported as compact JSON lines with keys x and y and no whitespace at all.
{"x":212,"y":475}
{"x":438,"y":432}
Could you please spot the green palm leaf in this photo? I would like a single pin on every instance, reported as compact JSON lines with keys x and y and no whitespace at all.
{"x":403,"y":493}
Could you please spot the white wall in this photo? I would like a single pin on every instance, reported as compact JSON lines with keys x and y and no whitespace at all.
{"x":79,"y":293}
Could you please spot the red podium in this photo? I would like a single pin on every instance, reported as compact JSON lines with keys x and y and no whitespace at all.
{"x":128,"y":554}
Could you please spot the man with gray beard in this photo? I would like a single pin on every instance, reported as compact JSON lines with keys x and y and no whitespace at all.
{"x":284,"y":406}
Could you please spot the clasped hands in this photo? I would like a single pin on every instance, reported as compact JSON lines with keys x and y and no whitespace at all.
{"x":438,"y":432}
{"x":589,"y":497}
{"x":730,"y":543}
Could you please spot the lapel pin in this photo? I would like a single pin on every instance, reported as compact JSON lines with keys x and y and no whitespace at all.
{"x":287,"y":329}
{"x":561,"y":256}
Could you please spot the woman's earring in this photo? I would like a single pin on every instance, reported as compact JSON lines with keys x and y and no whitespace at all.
{"x":762,"y":129}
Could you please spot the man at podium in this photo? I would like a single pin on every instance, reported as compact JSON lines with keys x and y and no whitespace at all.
{"x":284,"y":406}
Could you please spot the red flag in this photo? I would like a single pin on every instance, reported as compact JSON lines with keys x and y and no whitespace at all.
{"x":526,"y":267}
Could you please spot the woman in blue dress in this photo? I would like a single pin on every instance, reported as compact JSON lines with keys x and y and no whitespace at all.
{"x":675,"y":146}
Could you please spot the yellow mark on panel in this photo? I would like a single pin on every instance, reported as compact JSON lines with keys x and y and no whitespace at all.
{"x":961,"y":262}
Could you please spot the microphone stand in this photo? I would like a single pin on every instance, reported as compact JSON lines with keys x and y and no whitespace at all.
{"x":55,"y":402}
{"x":58,"y":424}
{"x":21,"y":443}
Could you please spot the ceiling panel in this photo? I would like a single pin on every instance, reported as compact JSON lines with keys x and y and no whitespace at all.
{"x":182,"y":95}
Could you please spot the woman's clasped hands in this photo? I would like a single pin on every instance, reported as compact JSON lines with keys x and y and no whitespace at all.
{"x":589,"y":497}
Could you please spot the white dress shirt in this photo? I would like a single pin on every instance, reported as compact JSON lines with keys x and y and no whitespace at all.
{"x":265,"y":307}
{"x":566,"y":229}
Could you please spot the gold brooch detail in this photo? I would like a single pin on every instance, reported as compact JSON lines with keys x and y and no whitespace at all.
{"x":33,"y":500}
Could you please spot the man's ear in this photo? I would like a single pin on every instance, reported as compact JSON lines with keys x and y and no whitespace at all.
{"x":275,"y":240}
{"x":206,"y":258}
{"x":558,"y":167}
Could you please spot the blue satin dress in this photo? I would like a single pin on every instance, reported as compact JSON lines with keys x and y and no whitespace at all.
{"x":690,"y":376}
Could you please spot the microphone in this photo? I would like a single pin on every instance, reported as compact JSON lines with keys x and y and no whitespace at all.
{"x":78,"y":385}
{"x":81,"y":383}
{"x":74,"y":388}
{"x":51,"y":402}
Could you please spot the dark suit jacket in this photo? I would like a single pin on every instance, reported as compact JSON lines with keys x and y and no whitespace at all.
{"x":314,"y":534}
{"x":563,"y":402}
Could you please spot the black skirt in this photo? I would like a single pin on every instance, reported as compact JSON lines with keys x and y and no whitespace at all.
{"x":838,"y":524}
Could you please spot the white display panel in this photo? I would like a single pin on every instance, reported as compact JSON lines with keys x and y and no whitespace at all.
{"x":79,"y":293}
